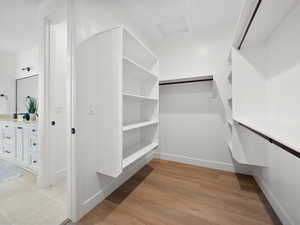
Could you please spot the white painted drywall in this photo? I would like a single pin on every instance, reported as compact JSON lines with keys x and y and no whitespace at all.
{"x":194,"y":54}
{"x":284,"y":69}
{"x":279,"y":179}
{"x":192,"y":122}
{"x":191,"y":127}
{"x":28,"y":58}
{"x":7,"y":79}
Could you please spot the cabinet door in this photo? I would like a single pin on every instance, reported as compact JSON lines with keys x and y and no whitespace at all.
{"x":20,"y":143}
{"x":9,"y":141}
{"x":33,"y":161}
{"x":34,"y":144}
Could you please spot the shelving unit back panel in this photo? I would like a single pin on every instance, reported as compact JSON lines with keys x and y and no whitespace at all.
{"x":135,"y":86}
{"x":135,"y":140}
{"x":135,"y":111}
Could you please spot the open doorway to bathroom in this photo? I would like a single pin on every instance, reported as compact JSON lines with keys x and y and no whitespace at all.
{"x":33,"y":152}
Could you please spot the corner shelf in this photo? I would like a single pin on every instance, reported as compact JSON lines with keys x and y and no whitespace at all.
{"x":282,"y":134}
{"x":139,"y":125}
{"x":140,"y":97}
{"x":137,"y":70}
{"x":140,"y":152}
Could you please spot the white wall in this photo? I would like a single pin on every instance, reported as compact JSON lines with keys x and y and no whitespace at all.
{"x":202,"y":134}
{"x":7,"y":78}
{"x":28,"y":58}
{"x":194,"y":54}
{"x":279,"y":179}
{"x":284,"y":68}
{"x":191,"y":127}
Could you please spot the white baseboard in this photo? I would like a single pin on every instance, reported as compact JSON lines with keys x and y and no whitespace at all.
{"x":279,"y":210}
{"x":94,"y":200}
{"x":197,"y":162}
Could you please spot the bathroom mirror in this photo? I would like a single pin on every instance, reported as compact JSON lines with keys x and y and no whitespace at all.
{"x":27,"y":86}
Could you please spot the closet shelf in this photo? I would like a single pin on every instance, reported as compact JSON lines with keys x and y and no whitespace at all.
{"x":139,"y":125}
{"x":241,"y":159}
{"x":139,"y":97}
{"x":230,"y":122}
{"x":137,"y":70}
{"x":141,"y":151}
{"x":284,"y":135}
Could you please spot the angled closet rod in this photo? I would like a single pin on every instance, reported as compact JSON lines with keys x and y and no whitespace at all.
{"x":249,"y":24}
{"x":277,"y":143}
{"x":183,"y":81}
{"x":271,"y":140}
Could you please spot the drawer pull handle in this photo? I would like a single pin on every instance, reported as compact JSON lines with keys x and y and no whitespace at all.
{"x":33,"y":130}
{"x":20,"y":128}
{"x":8,"y":137}
{"x":6,"y":126}
{"x":34,"y":144}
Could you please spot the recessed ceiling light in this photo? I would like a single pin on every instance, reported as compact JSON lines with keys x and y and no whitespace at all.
{"x":178,"y":25}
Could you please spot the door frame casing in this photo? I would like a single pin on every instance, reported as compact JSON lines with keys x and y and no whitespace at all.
{"x":54,"y":12}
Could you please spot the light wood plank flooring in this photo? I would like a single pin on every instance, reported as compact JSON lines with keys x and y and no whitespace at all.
{"x":169,"y":193}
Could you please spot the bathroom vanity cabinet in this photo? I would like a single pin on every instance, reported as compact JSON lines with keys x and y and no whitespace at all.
{"x":19,"y":144}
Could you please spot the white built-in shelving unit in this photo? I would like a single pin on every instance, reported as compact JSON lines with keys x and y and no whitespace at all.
{"x":140,"y":100}
{"x":241,"y":155}
{"x":265,"y":78}
{"x":128,"y":96}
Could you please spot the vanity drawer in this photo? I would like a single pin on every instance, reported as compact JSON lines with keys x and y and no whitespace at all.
{"x":8,"y":139}
{"x":33,"y":131}
{"x":8,"y":151}
{"x":8,"y":131}
{"x":33,"y":161}
{"x":34,"y":143}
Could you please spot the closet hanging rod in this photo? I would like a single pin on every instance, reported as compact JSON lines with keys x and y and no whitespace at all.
{"x":271,"y":140}
{"x":249,"y":24}
{"x":185,"y":80}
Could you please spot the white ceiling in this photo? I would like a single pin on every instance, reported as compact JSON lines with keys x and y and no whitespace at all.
{"x":18,"y":24}
{"x":155,"y":19}
{"x":199,"y":15}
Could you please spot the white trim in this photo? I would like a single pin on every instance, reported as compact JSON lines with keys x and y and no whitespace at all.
{"x":44,"y":173}
{"x":61,"y":174}
{"x":51,"y":10}
{"x":277,"y":207}
{"x":97,"y":198}
{"x":197,"y":162}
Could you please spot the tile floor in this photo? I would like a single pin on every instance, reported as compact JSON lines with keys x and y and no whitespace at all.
{"x":23,"y":203}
